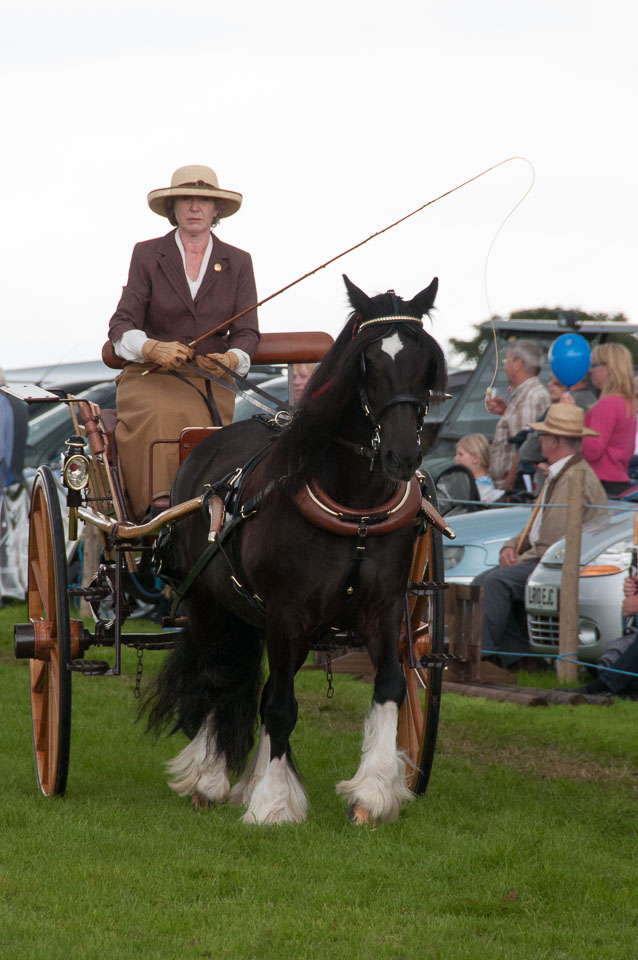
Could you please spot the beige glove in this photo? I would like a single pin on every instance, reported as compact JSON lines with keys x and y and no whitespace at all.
{"x":230,"y":361}
{"x":169,"y":355}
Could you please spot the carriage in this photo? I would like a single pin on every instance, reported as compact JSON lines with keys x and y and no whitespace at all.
{"x":58,"y":644}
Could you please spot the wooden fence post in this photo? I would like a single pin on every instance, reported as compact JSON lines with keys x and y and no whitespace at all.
{"x":568,"y":608}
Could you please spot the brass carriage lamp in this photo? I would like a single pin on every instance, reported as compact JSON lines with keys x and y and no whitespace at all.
{"x":75,"y":477}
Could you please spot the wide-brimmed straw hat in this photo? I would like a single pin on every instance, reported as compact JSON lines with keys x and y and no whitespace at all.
{"x":564,"y":420}
{"x":195,"y":181}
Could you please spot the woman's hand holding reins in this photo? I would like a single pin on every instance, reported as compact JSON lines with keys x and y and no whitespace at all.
{"x":207,"y":362}
{"x":169,"y":355}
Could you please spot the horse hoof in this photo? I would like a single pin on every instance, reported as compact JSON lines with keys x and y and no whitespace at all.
{"x":358,"y":815}
{"x":199,"y":803}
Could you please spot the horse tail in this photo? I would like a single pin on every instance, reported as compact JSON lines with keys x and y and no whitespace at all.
{"x":214,"y":679}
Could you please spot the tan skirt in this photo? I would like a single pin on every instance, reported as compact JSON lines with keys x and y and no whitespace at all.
{"x":158,"y":407}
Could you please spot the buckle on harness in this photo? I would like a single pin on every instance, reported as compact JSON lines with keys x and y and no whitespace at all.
{"x":282,"y":418}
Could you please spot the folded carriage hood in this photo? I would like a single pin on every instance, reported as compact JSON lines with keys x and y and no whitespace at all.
{"x":597,"y":535}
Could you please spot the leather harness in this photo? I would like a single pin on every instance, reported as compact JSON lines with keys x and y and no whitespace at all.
{"x":408,"y":504}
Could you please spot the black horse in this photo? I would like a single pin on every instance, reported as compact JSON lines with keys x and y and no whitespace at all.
{"x":294,"y":571}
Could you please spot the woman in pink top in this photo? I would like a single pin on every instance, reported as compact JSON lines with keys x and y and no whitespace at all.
{"x":613,"y":416}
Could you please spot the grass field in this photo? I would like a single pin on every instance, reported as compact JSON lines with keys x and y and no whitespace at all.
{"x":523,"y":847}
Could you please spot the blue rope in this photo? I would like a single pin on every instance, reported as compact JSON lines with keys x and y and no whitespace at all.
{"x":627,"y":506}
{"x":146,"y":594}
{"x":559,"y":656}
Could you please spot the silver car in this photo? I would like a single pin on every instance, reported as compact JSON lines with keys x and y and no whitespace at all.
{"x":605,"y":558}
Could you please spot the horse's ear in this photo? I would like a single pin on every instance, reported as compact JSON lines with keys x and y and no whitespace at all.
{"x":358,"y":299}
{"x":424,"y":301}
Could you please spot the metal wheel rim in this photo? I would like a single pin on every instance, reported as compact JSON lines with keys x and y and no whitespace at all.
{"x":418,"y":720}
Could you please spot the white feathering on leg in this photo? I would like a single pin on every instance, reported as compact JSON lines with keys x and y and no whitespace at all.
{"x":199,"y":768}
{"x":278,"y":796}
{"x":379,"y":783}
{"x":256,"y":769}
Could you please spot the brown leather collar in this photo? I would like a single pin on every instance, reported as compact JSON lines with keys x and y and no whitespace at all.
{"x":318,"y":508}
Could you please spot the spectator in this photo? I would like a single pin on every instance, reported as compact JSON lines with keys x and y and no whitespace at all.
{"x":504,"y":628}
{"x":584,"y":394}
{"x":529,"y":452}
{"x":612,"y":417}
{"x":527,"y":401}
{"x":473,"y":452}
{"x":621,"y":654}
{"x":633,"y":463}
{"x":301,"y":373}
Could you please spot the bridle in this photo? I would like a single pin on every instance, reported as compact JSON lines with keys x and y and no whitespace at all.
{"x":421,"y":406}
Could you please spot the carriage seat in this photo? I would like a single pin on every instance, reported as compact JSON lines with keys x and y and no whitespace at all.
{"x":306,"y":346}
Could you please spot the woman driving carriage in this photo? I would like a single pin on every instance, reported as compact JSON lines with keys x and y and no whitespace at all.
{"x":180,"y":286}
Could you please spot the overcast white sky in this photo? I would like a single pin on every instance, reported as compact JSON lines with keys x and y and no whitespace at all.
{"x":333,"y":120}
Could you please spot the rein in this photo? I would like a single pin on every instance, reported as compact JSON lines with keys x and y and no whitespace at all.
{"x":281,"y":409}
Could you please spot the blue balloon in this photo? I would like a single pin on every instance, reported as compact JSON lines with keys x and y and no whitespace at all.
{"x":569,"y":357}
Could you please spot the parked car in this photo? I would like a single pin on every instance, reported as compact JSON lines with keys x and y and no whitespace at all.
{"x":606,"y":550}
{"x":605,"y":558}
{"x":479,"y":538}
{"x":75,"y":377}
{"x":276,"y":386}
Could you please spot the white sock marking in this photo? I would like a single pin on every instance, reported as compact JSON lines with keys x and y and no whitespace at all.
{"x":278,"y":796}
{"x":256,"y":769}
{"x":199,"y":768}
{"x":379,"y":783}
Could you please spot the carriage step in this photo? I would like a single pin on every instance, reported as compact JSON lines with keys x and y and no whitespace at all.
{"x":91,"y":668}
{"x":426,"y":588}
{"x":437,"y":660}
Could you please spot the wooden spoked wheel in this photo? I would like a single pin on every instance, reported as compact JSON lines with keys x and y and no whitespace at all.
{"x":419,"y":713}
{"x":50,"y":678}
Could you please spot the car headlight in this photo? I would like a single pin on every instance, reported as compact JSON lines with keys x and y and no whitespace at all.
{"x":452,"y":556}
{"x":588,"y":633}
{"x":615,"y":559}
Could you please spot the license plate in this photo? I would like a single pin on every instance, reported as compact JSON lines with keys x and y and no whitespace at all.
{"x":543,"y":597}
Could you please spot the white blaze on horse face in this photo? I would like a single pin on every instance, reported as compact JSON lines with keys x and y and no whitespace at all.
{"x":392,"y":345}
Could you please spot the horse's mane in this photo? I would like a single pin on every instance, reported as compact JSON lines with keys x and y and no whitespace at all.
{"x":332,"y":391}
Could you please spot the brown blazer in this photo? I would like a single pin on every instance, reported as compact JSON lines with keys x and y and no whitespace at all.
{"x":157,"y":298}
{"x":553,"y":521}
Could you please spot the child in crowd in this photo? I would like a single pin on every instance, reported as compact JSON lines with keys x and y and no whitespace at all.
{"x":473,"y":452}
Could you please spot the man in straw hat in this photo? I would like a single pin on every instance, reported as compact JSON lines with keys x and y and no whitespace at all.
{"x":180,"y":286}
{"x":504,"y":626}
